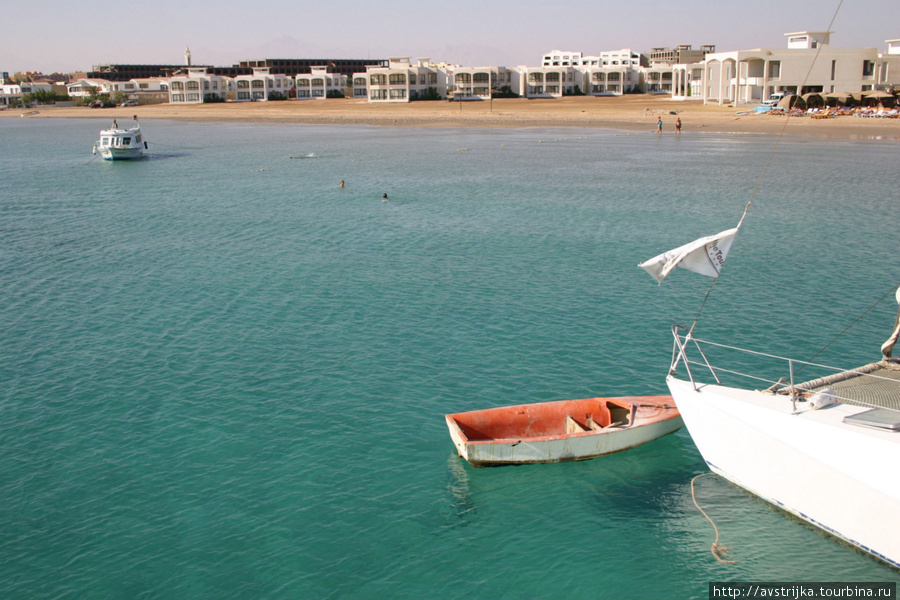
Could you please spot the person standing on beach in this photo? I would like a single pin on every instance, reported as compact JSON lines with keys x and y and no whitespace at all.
{"x":678,"y":125}
{"x":659,"y":125}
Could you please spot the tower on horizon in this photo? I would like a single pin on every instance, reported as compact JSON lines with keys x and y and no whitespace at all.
{"x":187,"y":56}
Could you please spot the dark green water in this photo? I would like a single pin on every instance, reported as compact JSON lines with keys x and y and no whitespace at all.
{"x":222,"y":376}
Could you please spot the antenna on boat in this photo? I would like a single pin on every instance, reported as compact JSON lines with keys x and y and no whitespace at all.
{"x":765,"y":168}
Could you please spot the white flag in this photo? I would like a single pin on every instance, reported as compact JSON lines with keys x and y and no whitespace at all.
{"x":705,"y":256}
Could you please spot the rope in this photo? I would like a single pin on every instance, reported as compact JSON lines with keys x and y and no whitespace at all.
{"x":718,"y":552}
{"x":176,"y":147}
{"x":867,"y":311}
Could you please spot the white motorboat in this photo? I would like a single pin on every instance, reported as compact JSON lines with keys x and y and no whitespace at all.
{"x":121,"y":144}
{"x":825,"y":450}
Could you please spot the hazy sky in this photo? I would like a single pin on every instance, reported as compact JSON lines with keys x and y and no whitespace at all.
{"x":56,"y":35}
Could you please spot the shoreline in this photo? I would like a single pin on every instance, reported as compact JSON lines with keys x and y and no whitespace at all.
{"x":626,"y":113}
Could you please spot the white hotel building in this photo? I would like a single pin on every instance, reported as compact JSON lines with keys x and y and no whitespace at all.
{"x":751,"y":76}
{"x":261,"y":85}
{"x":319,"y":83}
{"x":193,"y":86}
{"x":401,"y":81}
{"x":737,"y":77}
{"x":477,"y":83}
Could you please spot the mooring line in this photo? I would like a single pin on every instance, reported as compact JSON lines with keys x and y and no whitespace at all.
{"x":719,"y":552}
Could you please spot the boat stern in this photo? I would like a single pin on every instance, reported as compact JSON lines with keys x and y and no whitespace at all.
{"x":460,"y":442}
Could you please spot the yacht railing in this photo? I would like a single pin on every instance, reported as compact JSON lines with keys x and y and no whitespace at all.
{"x":693,"y":354}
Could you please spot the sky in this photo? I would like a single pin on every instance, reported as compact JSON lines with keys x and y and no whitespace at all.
{"x":66,"y":36}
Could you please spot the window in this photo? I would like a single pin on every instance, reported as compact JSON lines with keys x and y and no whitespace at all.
{"x":774,"y":69}
{"x":833,"y":66}
{"x":193,"y":97}
{"x":243,"y":95}
{"x":243,"y":84}
{"x":398,"y":79}
{"x":177,"y":85}
{"x":378,"y":95}
{"x":535,"y":78}
{"x":599,"y":77}
{"x":398,"y":94}
{"x":358,"y":82}
{"x":378,"y":79}
{"x":258,"y":94}
{"x":868,"y":68}
{"x":303,"y":83}
{"x":463,"y":78}
{"x":613,"y":77}
{"x":318,"y":82}
{"x":303,"y":93}
{"x":412,"y":79}
{"x":257,"y":84}
{"x":552,"y":77}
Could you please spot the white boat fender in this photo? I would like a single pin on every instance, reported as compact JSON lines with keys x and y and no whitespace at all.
{"x":822,"y":398}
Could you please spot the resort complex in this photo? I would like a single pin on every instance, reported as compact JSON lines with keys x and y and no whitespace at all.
{"x":737,"y":77}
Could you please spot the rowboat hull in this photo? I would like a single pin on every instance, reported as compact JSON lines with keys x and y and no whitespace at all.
{"x":561,"y":431}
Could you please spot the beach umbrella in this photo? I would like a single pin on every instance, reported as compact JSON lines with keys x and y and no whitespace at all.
{"x":883,"y":98}
{"x":787,"y":102}
{"x":858,"y":96}
{"x":839,"y":98}
{"x":813,"y":98}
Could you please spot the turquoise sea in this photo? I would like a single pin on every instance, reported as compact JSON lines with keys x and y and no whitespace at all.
{"x":222,"y":376}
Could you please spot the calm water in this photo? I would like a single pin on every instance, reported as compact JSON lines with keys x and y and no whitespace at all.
{"x":221,"y":376}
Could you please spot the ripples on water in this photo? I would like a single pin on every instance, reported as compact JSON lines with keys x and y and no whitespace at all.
{"x":225,"y":377}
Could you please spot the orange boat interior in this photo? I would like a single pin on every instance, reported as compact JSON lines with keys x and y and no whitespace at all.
{"x":553,"y":418}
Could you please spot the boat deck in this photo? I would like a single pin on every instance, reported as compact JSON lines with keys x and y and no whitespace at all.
{"x":875,"y":385}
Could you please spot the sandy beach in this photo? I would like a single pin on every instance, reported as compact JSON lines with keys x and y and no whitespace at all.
{"x":628,"y":113}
